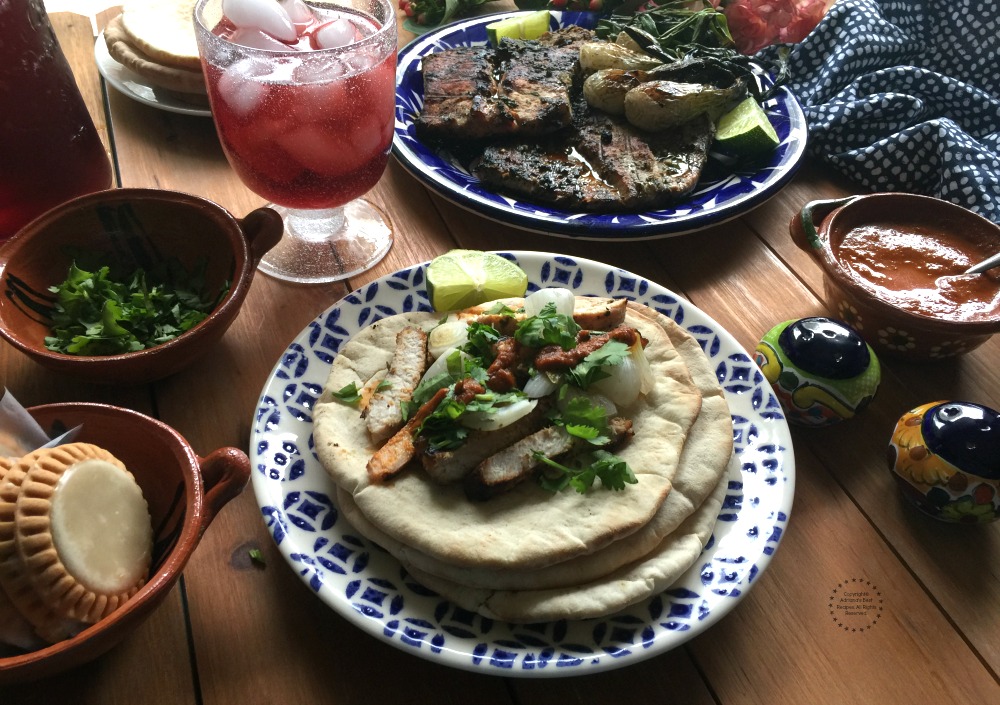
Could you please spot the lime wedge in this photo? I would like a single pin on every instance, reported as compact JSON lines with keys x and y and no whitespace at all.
{"x":462,"y":278}
{"x":521,"y":27}
{"x":746,"y":131}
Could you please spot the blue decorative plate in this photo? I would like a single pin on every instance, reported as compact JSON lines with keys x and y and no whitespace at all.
{"x":368,"y":587}
{"x":721,"y":194}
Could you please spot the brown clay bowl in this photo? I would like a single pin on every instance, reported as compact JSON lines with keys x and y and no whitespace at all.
{"x":138,"y":226}
{"x":891,"y":329}
{"x":184,"y":493}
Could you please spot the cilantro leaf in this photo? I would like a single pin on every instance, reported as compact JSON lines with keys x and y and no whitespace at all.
{"x":548,"y":328}
{"x":582,"y":418}
{"x":588,"y":370}
{"x":613,"y":472}
{"x":481,"y":338}
{"x":349,"y":394}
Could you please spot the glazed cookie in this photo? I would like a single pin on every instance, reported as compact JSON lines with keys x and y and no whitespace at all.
{"x":15,"y":630}
{"x":82,"y":539}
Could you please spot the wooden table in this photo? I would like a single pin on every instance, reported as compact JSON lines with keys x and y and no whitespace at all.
{"x":236,"y":632}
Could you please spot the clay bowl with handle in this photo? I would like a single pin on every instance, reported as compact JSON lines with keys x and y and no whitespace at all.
{"x":895,"y":327}
{"x":131,"y":229}
{"x":183,"y":491}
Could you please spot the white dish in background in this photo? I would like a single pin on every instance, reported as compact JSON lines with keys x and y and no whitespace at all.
{"x":136,"y":87}
{"x":369,"y":588}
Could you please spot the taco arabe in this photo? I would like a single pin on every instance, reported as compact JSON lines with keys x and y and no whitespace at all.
{"x":545,"y":450}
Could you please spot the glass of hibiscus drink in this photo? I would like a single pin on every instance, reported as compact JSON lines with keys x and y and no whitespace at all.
{"x":302,"y":95}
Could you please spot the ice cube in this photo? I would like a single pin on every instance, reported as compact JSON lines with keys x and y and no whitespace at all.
{"x":265,"y":15}
{"x":240,"y":85}
{"x":312,"y":70}
{"x":320,"y":150}
{"x":255,"y":39}
{"x":333,"y":35}
{"x":298,"y":12}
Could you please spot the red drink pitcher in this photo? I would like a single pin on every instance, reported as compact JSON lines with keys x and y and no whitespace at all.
{"x":50,"y":151}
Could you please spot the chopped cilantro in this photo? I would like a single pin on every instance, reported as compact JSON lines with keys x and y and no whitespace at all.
{"x":349,"y":394}
{"x":481,"y":338}
{"x":97,"y":313}
{"x":613,"y":472}
{"x":548,"y":328}
{"x":589,"y":369}
{"x":582,"y":418}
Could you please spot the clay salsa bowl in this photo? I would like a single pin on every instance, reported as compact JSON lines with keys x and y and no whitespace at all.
{"x":133,"y":228}
{"x":183,"y":491}
{"x":900,"y":328}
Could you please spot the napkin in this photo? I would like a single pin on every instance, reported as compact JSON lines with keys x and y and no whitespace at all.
{"x":904,"y":95}
{"x":20,"y":434}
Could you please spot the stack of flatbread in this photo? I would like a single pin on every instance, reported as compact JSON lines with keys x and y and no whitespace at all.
{"x":155,"y":39}
{"x":530,"y":555}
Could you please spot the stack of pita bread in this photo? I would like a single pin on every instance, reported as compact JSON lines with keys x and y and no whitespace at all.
{"x":155,"y":39}
{"x":529,"y":555}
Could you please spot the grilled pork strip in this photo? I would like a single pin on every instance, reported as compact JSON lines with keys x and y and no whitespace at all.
{"x":589,"y":312}
{"x":507,"y":468}
{"x":515,"y":463}
{"x":447,"y":467}
{"x":393,"y":456}
{"x":409,"y":361}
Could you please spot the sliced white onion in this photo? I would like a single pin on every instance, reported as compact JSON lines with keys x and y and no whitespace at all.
{"x":499,"y":416}
{"x":627,"y":380}
{"x":440,"y":365}
{"x":450,"y":334}
{"x":564,"y":300}
{"x":541,"y":385}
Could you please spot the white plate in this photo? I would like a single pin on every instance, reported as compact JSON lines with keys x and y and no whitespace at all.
{"x":369,"y":588}
{"x":723,"y":192}
{"x":136,"y":87}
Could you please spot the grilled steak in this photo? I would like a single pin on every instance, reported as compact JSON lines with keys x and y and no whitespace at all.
{"x":520,"y":88}
{"x":603,"y":164}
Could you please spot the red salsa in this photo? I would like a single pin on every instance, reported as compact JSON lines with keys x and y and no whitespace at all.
{"x":919,"y":267}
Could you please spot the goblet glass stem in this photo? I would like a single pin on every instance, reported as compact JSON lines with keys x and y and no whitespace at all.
{"x":329,"y":244}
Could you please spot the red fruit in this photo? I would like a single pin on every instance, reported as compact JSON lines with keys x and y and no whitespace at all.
{"x":983,"y":494}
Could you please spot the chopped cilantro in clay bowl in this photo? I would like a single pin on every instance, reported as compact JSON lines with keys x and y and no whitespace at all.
{"x":127,"y":286}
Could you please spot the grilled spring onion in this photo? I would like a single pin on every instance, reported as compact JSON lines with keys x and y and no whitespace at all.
{"x":673,"y":32}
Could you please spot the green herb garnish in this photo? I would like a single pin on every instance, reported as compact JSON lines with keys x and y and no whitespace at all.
{"x":589,"y":369}
{"x":96,"y":314}
{"x":256,"y":556}
{"x":548,"y":328}
{"x":613,"y":472}
{"x":349,"y":394}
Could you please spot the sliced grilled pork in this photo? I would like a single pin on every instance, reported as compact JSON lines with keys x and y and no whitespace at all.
{"x":447,"y":467}
{"x":515,"y":463}
{"x":399,"y":450}
{"x":512,"y":465}
{"x":384,"y":414}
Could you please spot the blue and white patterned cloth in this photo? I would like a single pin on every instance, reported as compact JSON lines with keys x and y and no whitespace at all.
{"x":904,"y":95}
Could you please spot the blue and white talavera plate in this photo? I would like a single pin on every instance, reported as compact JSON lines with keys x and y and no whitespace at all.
{"x":721,"y":194}
{"x":369,"y":588}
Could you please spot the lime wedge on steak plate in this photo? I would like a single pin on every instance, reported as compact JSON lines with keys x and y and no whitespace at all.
{"x":521,"y":27}
{"x":746,"y":131}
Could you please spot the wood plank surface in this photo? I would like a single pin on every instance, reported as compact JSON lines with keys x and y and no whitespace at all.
{"x":240,"y":631}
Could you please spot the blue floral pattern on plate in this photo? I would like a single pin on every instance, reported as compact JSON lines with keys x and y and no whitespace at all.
{"x":721,"y":194}
{"x":368,"y":587}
